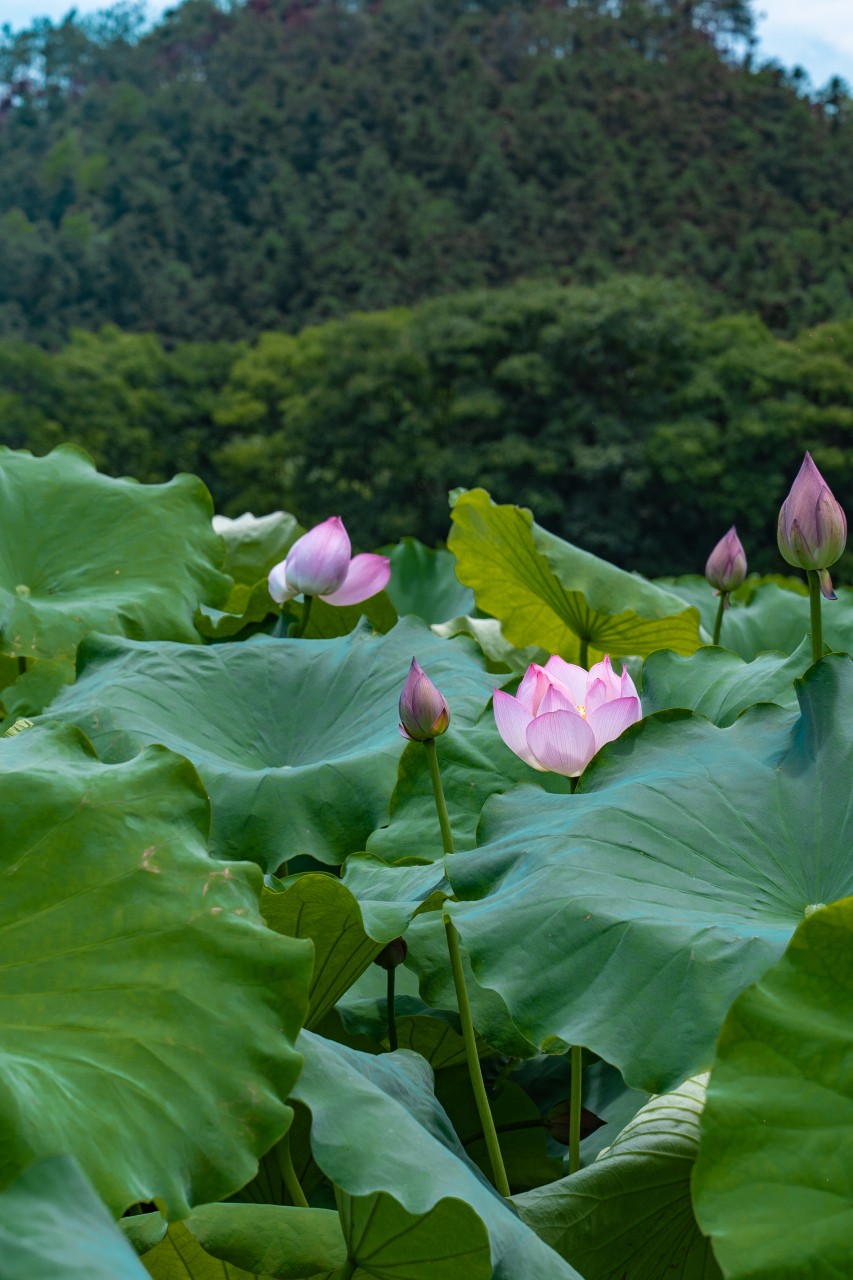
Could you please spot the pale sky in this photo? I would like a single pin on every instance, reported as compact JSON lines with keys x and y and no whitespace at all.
{"x":814,"y":34}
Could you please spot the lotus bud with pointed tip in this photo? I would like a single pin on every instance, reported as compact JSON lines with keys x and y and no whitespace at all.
{"x":424,"y":712}
{"x":726,"y":567}
{"x":812,"y":529}
{"x":393,"y":954}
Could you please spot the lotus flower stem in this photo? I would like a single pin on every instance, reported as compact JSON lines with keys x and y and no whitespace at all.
{"x":575,"y":1113}
{"x":724,"y":595}
{"x":583,"y":659}
{"x":475,"y":1071}
{"x":817,"y":621}
{"x":303,"y":622}
{"x":438,"y":792}
{"x":22,"y":665}
{"x":288,"y":1173}
{"x":392,"y":1017}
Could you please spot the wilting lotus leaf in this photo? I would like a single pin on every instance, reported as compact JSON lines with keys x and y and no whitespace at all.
{"x":424,"y":582}
{"x":719,"y":684}
{"x":670,"y":881}
{"x":54,"y":1227}
{"x":353,"y":1097}
{"x":296,"y":740}
{"x":148,"y":1014}
{"x":547,"y":592}
{"x":629,"y":1214}
{"x":772,"y":1182}
{"x":84,"y":552}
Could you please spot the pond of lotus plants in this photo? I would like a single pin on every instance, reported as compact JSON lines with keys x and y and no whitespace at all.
{"x":421,"y":915}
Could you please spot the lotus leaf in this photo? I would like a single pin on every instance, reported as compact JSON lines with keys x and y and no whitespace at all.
{"x":546,"y":592}
{"x":629,"y":1216}
{"x":83,"y":552}
{"x":424,"y":582}
{"x":296,"y":740}
{"x":628,"y":917}
{"x":138,"y":975}
{"x":719,"y":684}
{"x":377,"y":1127}
{"x":255,"y":544}
{"x":772,"y":1181}
{"x":54,"y":1227}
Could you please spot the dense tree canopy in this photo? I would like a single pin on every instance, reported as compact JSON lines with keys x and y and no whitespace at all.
{"x":627,"y":420}
{"x":281,"y":163}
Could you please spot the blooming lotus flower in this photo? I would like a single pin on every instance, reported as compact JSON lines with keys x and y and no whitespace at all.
{"x":812,"y":530}
{"x":726,"y":566}
{"x":321,"y":563}
{"x":562,"y":714}
{"x":424,"y":712}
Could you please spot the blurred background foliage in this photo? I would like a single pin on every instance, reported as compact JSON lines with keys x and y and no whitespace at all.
{"x":627,"y":419}
{"x":337,"y":257}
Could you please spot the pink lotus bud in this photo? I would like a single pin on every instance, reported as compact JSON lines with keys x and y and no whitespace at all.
{"x":393,"y":954}
{"x":319,"y":564}
{"x":424,"y":712}
{"x":812,"y":529}
{"x":726,"y":567}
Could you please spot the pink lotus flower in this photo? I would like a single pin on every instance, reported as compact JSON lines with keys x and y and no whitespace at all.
{"x":812,"y":531}
{"x":424,"y":712}
{"x":319,"y":564}
{"x":726,"y":566}
{"x":562,"y":714}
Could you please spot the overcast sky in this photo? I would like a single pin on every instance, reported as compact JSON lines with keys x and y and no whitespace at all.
{"x":814,"y":34}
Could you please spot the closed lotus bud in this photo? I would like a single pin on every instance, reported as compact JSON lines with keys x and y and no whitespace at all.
{"x":726,"y":567}
{"x":812,"y":529}
{"x":392,"y":955}
{"x":559,"y":1118}
{"x":424,"y":712}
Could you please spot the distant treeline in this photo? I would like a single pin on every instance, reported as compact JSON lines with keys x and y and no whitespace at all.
{"x":274,"y":164}
{"x":630,"y":422}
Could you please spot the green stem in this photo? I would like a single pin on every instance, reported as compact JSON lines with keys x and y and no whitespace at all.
{"x":573,"y":784}
{"x":575,"y":1109}
{"x":724,"y":595}
{"x":438,"y":792}
{"x":303,"y":621}
{"x":347,"y":1270}
{"x":817,"y":624}
{"x":392,"y":1020}
{"x":288,"y":1173}
{"x":583,"y":660}
{"x":474,"y":1068}
{"x":22,"y":665}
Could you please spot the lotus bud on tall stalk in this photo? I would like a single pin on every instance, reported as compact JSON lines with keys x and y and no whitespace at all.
{"x":321,"y":563}
{"x":812,"y":534}
{"x":725,"y":570}
{"x":424,"y":715}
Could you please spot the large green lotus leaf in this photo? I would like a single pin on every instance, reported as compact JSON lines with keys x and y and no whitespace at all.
{"x":54,"y":1227}
{"x":719,"y":684}
{"x":37,"y":687}
{"x":772,"y":1184}
{"x":296,"y":740}
{"x":246,"y":612}
{"x":424,"y":582}
{"x":255,"y":544}
{"x":501,"y":656}
{"x":628,"y":1215}
{"x":547,"y":592}
{"x":83,"y":552}
{"x":179,"y":1256}
{"x":325,"y":621}
{"x":475,"y":763}
{"x":386,"y":1242}
{"x":355,"y":1097}
{"x":148,"y":1014}
{"x":628,"y":917}
{"x":348,"y":929}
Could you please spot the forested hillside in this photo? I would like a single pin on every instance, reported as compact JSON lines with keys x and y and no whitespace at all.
{"x":288,"y":161}
{"x":628,"y":421}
